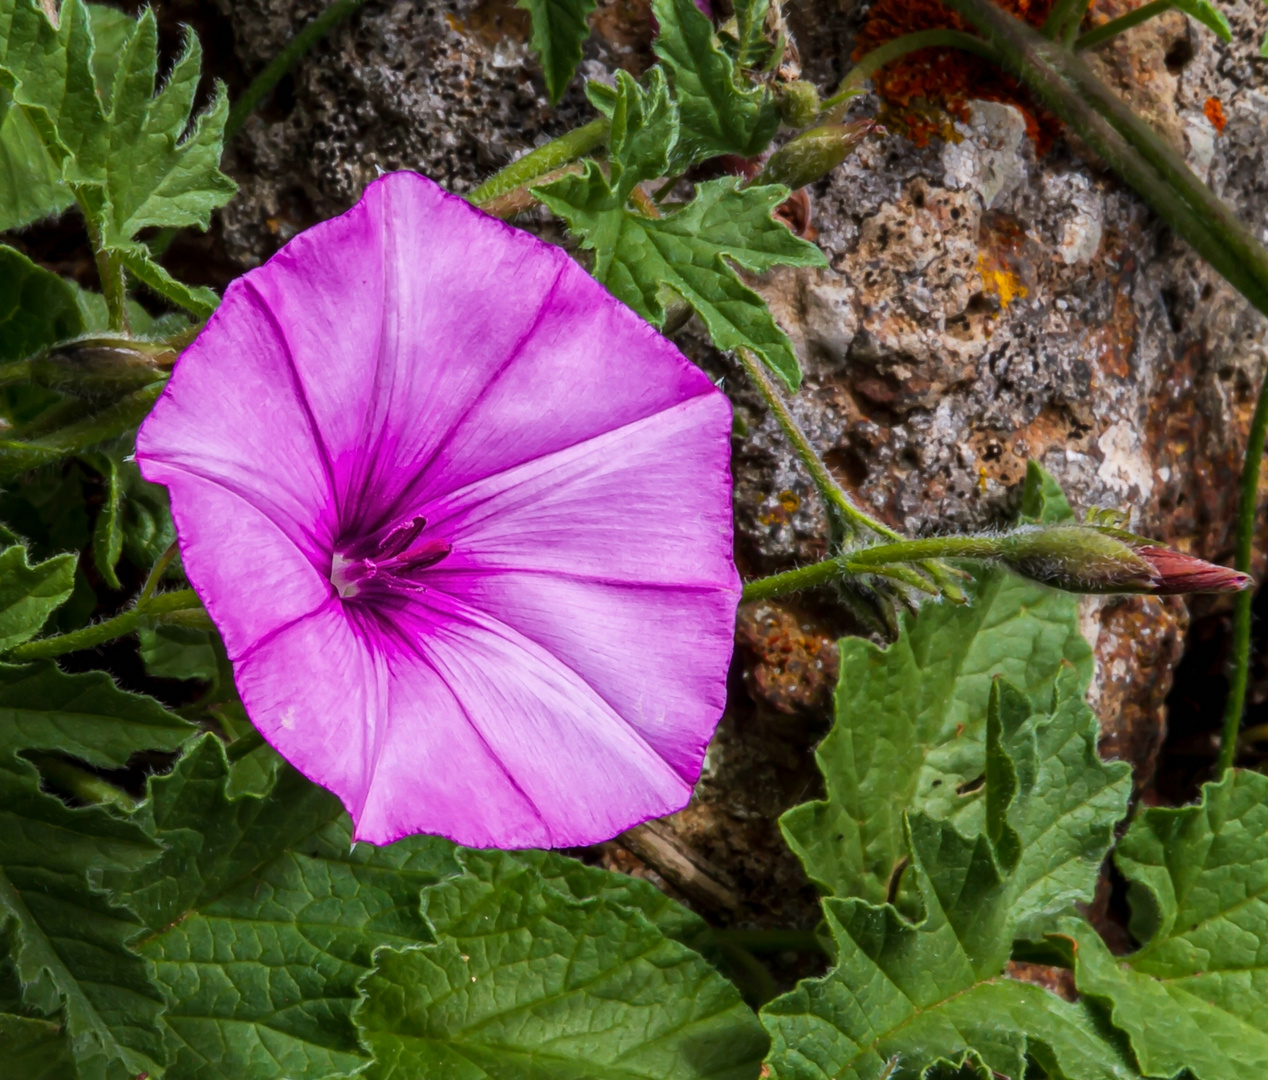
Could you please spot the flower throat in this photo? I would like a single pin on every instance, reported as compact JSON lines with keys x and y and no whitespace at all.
{"x":393,"y":562}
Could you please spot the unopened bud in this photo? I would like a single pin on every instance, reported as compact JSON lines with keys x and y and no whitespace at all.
{"x":102,"y":368}
{"x":1100,"y":559}
{"x":798,"y":103}
{"x":814,"y":153}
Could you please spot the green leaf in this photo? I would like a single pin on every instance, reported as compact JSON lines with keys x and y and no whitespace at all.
{"x":179,"y":652}
{"x":1195,"y":997}
{"x":260,"y":919}
{"x":689,"y":253}
{"x":85,"y":715}
{"x":111,"y":29}
{"x":37,"y":308}
{"x":29,"y":594}
{"x":910,"y":722}
{"x":1042,"y":500}
{"x":70,"y":943}
{"x":1208,"y":15}
{"x":906,"y":995}
{"x":581,"y":882}
{"x":643,"y":132}
{"x":53,"y":85}
{"x":529,"y":983}
{"x":132,"y":158}
{"x":199,"y":299}
{"x":35,"y":1049}
{"x":559,"y":31}
{"x":161,"y":170}
{"x":718,"y":116}
{"x":31,"y":187}
{"x":1065,"y":801}
{"x":750,"y":19}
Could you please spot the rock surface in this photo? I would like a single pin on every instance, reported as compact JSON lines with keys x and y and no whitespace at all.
{"x":982,"y":307}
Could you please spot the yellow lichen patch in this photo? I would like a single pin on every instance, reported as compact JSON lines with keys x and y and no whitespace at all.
{"x":790,"y":501}
{"x":999,"y":281}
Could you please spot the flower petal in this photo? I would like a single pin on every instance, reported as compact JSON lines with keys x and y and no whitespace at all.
{"x":234,"y":414}
{"x":235,"y":554}
{"x":657,"y":655}
{"x":648,"y":503}
{"x":448,"y":723}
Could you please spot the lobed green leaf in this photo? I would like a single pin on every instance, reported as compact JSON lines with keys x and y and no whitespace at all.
{"x":690,"y":253}
{"x":1195,"y":997}
{"x":529,"y":983}
{"x":29,"y":594}
{"x":719,"y":114}
{"x":260,"y":918}
{"x":910,"y":727}
{"x":559,"y":31}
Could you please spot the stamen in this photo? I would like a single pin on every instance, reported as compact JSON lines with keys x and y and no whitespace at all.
{"x":401,"y":536}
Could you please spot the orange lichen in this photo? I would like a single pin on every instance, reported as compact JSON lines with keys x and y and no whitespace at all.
{"x":999,"y":281}
{"x":1214,"y":110}
{"x":924,"y":91}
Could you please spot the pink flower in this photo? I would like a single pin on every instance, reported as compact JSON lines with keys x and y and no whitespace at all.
{"x":463,"y":521}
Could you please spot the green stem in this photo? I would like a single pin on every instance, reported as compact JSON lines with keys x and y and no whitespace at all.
{"x":87,"y":787}
{"x":113,"y":283}
{"x":1124,"y":22}
{"x":99,"y":633}
{"x":18,"y":456}
{"x":1128,"y":145}
{"x":159,"y":569}
{"x":844,"y":518}
{"x":244,"y":745}
{"x":295,"y":49}
{"x":1063,"y":20}
{"x":909,"y":43}
{"x":546,"y":158}
{"x":1241,"y":561}
{"x":868,"y":560}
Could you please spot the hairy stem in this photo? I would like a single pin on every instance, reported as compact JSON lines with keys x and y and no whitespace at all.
{"x":120,"y":626}
{"x":1115,"y":27}
{"x":87,"y":787}
{"x":295,"y":49}
{"x":1241,"y":561}
{"x":113,"y":283}
{"x":877,"y":559}
{"x":159,"y":569}
{"x":1063,"y":20}
{"x":19,"y":456}
{"x":909,"y":43}
{"x":546,"y":158}
{"x":844,"y":518}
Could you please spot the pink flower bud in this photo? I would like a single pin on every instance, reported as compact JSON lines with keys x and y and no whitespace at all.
{"x":1176,"y":572}
{"x":1091,"y":558}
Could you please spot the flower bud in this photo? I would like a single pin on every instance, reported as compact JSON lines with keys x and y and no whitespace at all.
{"x":798,"y":103}
{"x":102,"y":368}
{"x":814,"y":153}
{"x":1100,"y":559}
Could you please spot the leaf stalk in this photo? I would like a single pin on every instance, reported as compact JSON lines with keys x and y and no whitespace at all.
{"x":548,"y":157}
{"x":153,"y":609}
